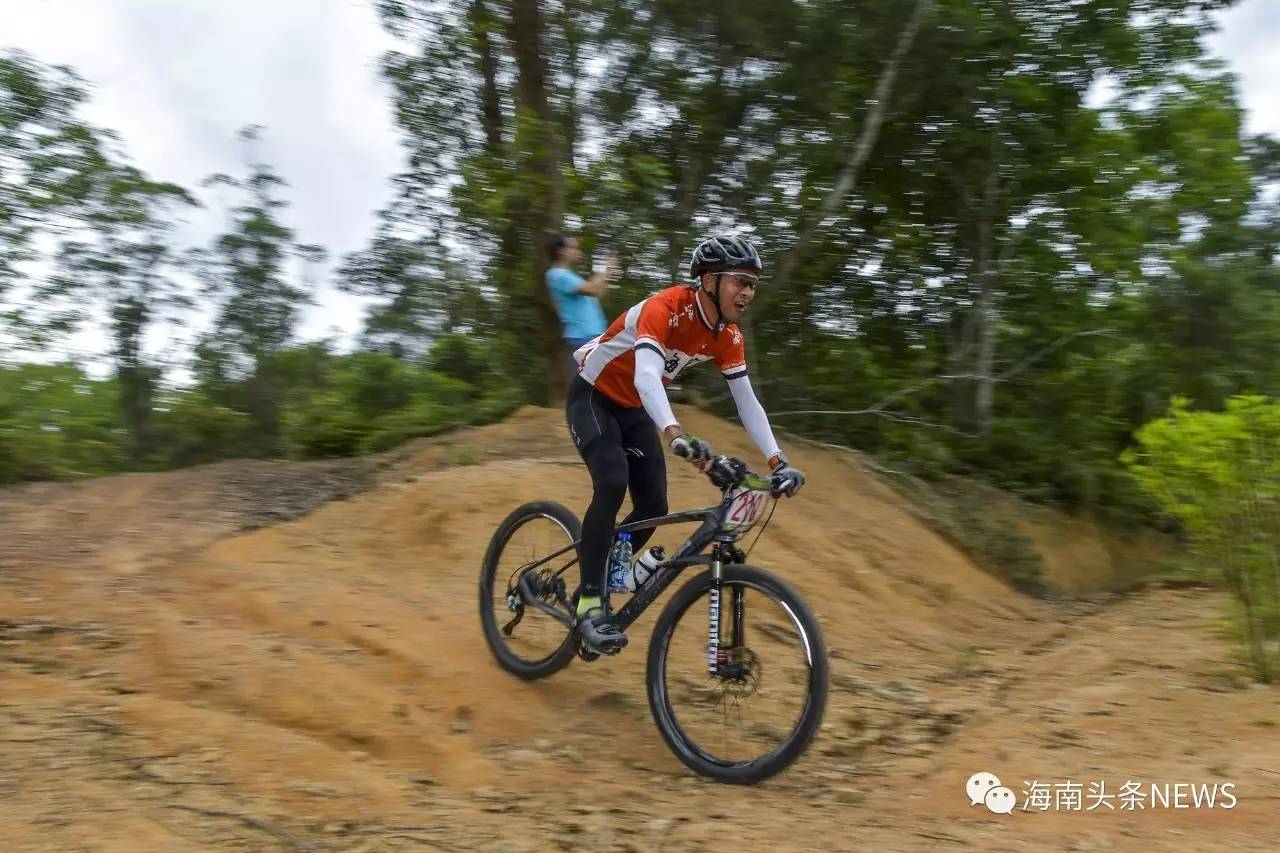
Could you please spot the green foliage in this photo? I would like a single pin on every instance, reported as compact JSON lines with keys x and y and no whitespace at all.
{"x":369,"y":402}
{"x":422,"y":417}
{"x":56,"y":422}
{"x":190,"y":429}
{"x":1218,"y":473}
{"x":324,"y":424}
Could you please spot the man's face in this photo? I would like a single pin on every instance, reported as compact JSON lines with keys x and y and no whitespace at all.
{"x":570,"y":252}
{"x":737,"y":289}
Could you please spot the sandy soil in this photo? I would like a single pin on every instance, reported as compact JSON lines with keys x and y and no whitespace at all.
{"x":172,"y":680}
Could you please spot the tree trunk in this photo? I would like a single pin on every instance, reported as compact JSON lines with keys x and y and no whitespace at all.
{"x":986,"y":317}
{"x":675,"y":256}
{"x":263,"y":397}
{"x":129,"y":317}
{"x":482,"y":23}
{"x":573,"y":41}
{"x":531,"y":86}
{"x":490,"y":102}
{"x":961,"y":337}
{"x":988,"y":274}
{"x":548,"y":210}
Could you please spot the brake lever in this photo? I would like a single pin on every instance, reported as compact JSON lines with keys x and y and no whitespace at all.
{"x":774,"y":491}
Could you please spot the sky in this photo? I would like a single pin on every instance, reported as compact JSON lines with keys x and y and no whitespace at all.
{"x":177,"y":78}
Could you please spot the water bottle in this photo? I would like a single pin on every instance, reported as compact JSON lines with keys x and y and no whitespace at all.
{"x":646,"y":566}
{"x":620,"y":563}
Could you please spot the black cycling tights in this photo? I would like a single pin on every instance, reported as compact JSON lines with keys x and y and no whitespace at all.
{"x":622,"y":449}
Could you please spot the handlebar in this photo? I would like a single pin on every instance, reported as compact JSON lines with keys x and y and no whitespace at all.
{"x":728,"y":472}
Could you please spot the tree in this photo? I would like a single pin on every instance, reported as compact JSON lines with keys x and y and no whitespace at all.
{"x":51,"y":160}
{"x":482,"y":120}
{"x":419,"y":292}
{"x":259,"y":298}
{"x":125,"y":262}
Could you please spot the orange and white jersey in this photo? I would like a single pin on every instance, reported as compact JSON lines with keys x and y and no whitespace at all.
{"x":672,"y":323}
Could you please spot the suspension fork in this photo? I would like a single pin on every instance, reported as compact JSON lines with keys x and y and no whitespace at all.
{"x":713,"y":625}
{"x":716,"y":656}
{"x":739,"y":605}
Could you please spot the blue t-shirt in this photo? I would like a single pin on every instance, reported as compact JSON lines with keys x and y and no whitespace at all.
{"x":580,"y":314}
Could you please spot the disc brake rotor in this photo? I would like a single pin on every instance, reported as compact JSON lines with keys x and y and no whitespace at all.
{"x":741,"y":672}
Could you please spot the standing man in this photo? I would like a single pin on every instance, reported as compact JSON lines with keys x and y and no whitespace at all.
{"x":577,"y":300}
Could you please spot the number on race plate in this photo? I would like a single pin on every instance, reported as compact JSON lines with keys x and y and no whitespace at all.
{"x":746,"y":507}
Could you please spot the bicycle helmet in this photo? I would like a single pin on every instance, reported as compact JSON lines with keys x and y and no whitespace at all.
{"x":723,"y":252}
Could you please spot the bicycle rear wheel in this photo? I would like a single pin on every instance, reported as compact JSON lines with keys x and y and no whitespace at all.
{"x":526,"y":641}
{"x":761,"y":709}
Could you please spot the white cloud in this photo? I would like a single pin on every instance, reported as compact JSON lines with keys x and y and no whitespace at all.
{"x":176,"y":80}
{"x":1249,"y":40}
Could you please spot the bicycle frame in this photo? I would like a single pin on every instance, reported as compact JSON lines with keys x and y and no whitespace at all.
{"x":688,"y":554}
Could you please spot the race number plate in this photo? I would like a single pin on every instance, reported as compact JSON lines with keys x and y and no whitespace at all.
{"x":745,"y":508}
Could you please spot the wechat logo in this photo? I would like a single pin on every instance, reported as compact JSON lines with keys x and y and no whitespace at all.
{"x":984,"y":789}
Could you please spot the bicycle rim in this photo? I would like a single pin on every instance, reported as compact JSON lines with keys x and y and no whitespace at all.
{"x":535,"y":638}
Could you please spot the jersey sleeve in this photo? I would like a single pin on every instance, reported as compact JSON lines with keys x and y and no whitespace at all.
{"x":654,"y":325}
{"x":732,"y":357}
{"x":649,"y":369}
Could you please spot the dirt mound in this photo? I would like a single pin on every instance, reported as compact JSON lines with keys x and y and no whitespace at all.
{"x":322,"y":683}
{"x":132,"y":519}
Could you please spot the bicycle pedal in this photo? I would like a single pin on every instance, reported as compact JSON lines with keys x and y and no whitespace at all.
{"x":589,"y":655}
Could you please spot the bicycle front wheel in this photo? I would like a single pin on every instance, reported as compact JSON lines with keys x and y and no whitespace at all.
{"x":761,"y":707}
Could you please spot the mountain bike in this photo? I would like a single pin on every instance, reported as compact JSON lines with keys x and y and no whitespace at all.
{"x":738,"y":692}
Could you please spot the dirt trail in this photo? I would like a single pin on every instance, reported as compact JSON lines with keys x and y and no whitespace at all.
{"x":322,"y":684}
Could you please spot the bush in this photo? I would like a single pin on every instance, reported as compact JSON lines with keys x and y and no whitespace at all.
{"x":374,"y":402}
{"x":422,"y":417}
{"x":325,"y":424}
{"x":192,"y":429}
{"x":1218,"y":473}
{"x":56,"y":422}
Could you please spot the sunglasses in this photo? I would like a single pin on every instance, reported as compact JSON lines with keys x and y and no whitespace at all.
{"x":744,"y":279}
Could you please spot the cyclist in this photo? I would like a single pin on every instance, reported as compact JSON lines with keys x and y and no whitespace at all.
{"x":617,"y":406}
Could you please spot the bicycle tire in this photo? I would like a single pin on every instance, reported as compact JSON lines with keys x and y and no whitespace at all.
{"x":781,"y":757}
{"x":507,"y":659}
